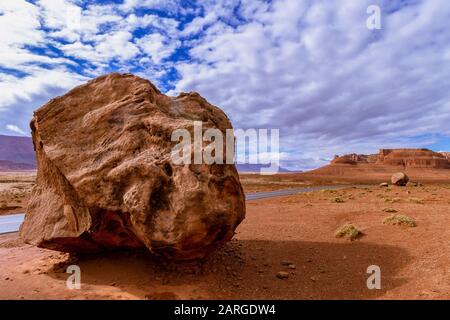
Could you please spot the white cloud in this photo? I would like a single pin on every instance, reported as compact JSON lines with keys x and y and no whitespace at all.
{"x":19,"y":23}
{"x":164,"y":5}
{"x":157,"y":46}
{"x":15,"y":129}
{"x":310,"y":68}
{"x":315,"y":71}
{"x":15,"y":88}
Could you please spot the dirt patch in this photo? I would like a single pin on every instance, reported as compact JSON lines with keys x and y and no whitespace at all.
{"x":15,"y":189}
{"x":299,"y":229}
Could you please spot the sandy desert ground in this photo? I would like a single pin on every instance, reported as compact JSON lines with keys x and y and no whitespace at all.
{"x":15,"y":188}
{"x":292,"y":234}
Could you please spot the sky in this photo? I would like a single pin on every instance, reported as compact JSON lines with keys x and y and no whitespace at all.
{"x":310,"y":68}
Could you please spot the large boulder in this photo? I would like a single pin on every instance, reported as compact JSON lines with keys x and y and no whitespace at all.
{"x":106,"y":180}
{"x":399,"y":179}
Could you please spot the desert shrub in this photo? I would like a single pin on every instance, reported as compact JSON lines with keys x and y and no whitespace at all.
{"x":348,"y":231}
{"x":400,"y":220}
{"x":416,"y":200}
{"x":392,"y":200}
{"x":337,"y":200}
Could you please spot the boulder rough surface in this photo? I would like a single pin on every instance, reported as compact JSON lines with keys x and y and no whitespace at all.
{"x":105,"y":177}
{"x":399,"y":179}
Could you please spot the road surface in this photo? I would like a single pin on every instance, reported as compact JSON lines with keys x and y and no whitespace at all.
{"x":288,"y":192}
{"x":11,"y":223}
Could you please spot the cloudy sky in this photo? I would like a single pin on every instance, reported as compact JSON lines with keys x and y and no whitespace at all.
{"x":309,"y":68}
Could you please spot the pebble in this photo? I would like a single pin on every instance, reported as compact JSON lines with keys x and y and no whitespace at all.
{"x":282,"y":275}
{"x":286,"y":263}
{"x":292,"y":266}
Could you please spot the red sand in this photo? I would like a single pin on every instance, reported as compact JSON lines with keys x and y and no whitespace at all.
{"x":414,"y":262}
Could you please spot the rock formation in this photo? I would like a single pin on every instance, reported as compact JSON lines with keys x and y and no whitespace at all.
{"x":413,"y":158}
{"x":446,"y":155}
{"x":354,"y":158}
{"x":106,"y":180}
{"x":408,"y":158}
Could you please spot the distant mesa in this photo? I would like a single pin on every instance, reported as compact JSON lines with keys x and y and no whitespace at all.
{"x":421,"y":165}
{"x":407,"y":158}
{"x":446,"y":154}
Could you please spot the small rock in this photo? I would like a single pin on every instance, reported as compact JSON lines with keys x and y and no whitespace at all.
{"x":399,"y":179}
{"x":292,"y":267}
{"x":282,"y":275}
{"x":313,"y":279}
{"x":384,"y":185}
{"x":286,"y":263}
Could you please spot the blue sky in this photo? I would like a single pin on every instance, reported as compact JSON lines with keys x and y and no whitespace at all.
{"x":309,"y":68}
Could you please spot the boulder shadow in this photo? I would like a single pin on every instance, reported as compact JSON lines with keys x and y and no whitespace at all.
{"x":247,"y":269}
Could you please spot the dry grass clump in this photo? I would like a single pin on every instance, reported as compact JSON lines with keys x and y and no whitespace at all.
{"x":392,"y":200}
{"x":400,"y":220}
{"x":416,"y":200}
{"x":348,"y":231}
{"x":337,"y":200}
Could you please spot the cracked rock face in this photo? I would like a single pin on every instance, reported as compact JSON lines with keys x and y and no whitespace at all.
{"x":106,"y":180}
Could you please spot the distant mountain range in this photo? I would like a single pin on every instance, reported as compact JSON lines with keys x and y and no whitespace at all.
{"x":16,"y":153}
{"x":255,"y":168}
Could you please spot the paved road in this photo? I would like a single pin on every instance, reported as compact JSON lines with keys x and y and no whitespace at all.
{"x":11,"y":223}
{"x":288,"y":192}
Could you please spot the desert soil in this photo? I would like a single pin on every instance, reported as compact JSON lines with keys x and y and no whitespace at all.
{"x":294,"y":234}
{"x":15,"y":188}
